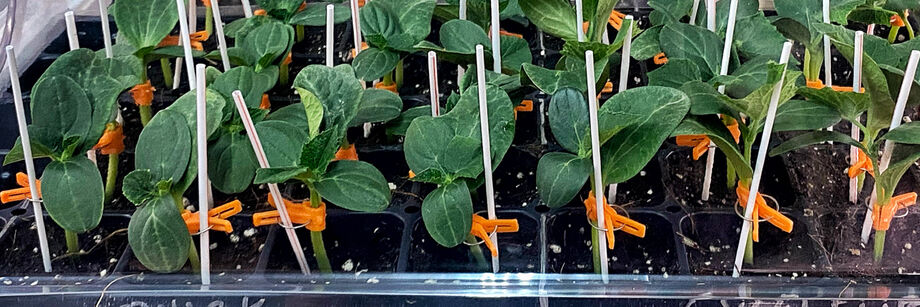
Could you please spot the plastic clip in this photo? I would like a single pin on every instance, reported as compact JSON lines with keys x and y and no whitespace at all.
{"x":346,"y":152}
{"x":699,"y":142}
{"x":303,"y":213}
{"x":761,"y":209}
{"x":217,"y":217}
{"x":112,"y":140}
{"x":525,"y":106}
{"x":881,"y":219}
{"x":355,"y":53}
{"x":480,"y":224}
{"x":616,"y":19}
{"x":613,"y":221}
{"x":143,"y":94}
{"x":862,"y":165}
{"x":22,"y":193}
{"x":660,"y":59}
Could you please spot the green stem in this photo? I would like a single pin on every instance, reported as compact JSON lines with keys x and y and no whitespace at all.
{"x":146,"y":114}
{"x":167,"y":71}
{"x":73,"y":243}
{"x":300,"y":33}
{"x":209,"y":20}
{"x":595,"y":240}
{"x":910,"y":29}
{"x":812,"y":65}
{"x":316,"y":237}
{"x":749,"y":249}
{"x":893,"y":34}
{"x":399,"y":74}
{"x":477,"y":253}
{"x":879,"y":243}
{"x":111,"y":177}
{"x":388,"y":78}
{"x":283,"y":72}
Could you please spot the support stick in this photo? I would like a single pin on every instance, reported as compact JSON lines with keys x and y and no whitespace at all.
{"x":723,"y":70}
{"x":106,"y":32}
{"x":695,"y":10}
{"x":758,"y":168}
{"x":896,"y":118}
{"x":624,"y":79}
{"x":579,"y":19}
{"x":433,"y":83}
{"x":596,"y":158}
{"x":247,"y":9}
{"x":828,"y":75}
{"x":71,"y":31}
{"x":203,"y":188}
{"x":496,"y":38}
{"x":462,"y":14}
{"x":221,"y":40}
{"x":186,"y":44}
{"x":27,"y":157}
{"x":356,"y":26}
{"x":854,"y":130}
{"x":486,"y":145}
{"x":330,"y":34}
{"x":272,"y":187}
{"x":711,"y":15}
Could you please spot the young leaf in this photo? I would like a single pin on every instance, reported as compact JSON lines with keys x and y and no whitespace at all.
{"x":318,"y":152}
{"x":658,"y":111}
{"x":373,"y":63}
{"x":696,"y":44}
{"x":675,"y":73}
{"x":755,"y":105}
{"x":140,"y":186}
{"x":164,"y":146}
{"x":798,"y":115}
{"x":647,"y":45}
{"x":377,"y":106}
{"x":850,"y":105}
{"x":158,"y":236}
{"x":568,"y":120}
{"x":281,"y":141}
{"x":448,"y":213}
{"x":280,"y":9}
{"x":338,"y":91}
{"x":231,"y":163}
{"x":550,"y":81}
{"x":144,"y":23}
{"x":266,"y":43}
{"x":245,"y":79}
{"x":356,"y":186}
{"x":280,"y":174}
{"x":72,"y":193}
{"x":61,"y":109}
{"x":560,"y":176}
{"x":555,"y":17}
{"x":903,"y":158}
{"x":515,"y":52}
{"x":462,"y":36}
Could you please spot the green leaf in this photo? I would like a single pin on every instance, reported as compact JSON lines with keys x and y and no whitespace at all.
{"x":871,"y":15}
{"x":756,"y":104}
{"x":881,"y":106}
{"x":550,"y":81}
{"x":756,"y":36}
{"x":658,"y":111}
{"x":850,"y":105}
{"x":804,"y":115}
{"x":809,"y":13}
{"x":672,"y":10}
{"x":72,"y":193}
{"x":812,"y":138}
{"x":462,"y":36}
{"x":144,"y":23}
{"x":568,"y":120}
{"x":338,"y":91}
{"x":448,"y":213}
{"x":373,"y":63}
{"x":674,"y":74}
{"x":240,"y":27}
{"x":281,"y":141}
{"x":313,"y":111}
{"x":280,"y":9}
{"x":647,"y":45}
{"x":293,"y":114}
{"x":356,"y":186}
{"x":140,"y":186}
{"x":164,"y":146}
{"x":15,"y":154}
{"x":599,"y":20}
{"x":560,"y":176}
{"x":379,"y":22}
{"x":266,"y":43}
{"x":158,"y":236}
{"x":705,"y":99}
{"x":280,"y":174}
{"x":232,"y":163}
{"x":696,"y":44}
{"x":243,"y":78}
{"x":399,"y":125}
{"x":515,"y":52}
{"x":907,"y":133}
{"x":315,"y":14}
{"x":377,"y":106}
{"x":318,"y":152}
{"x":903,"y":158}
{"x":555,"y":17}
{"x":60,"y":107}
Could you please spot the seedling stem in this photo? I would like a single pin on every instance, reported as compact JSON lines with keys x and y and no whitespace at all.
{"x":73,"y":243}
{"x":316,"y":237}
{"x":167,"y":71}
{"x":111,"y":177}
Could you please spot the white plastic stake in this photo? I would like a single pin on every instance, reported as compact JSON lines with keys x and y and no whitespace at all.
{"x":694,"y":11}
{"x":433,"y":84}
{"x":828,"y":73}
{"x":496,"y":38}
{"x":486,"y":145}
{"x":462,"y":14}
{"x":723,"y":70}
{"x":579,"y":19}
{"x":711,"y":15}
{"x":596,"y":158}
{"x":330,"y":34}
{"x":204,"y":238}
{"x":624,"y":79}
{"x":854,"y":130}
{"x":186,"y":45}
{"x":219,"y":30}
{"x":758,"y":168}
{"x":896,"y":119}
{"x":247,"y":9}
{"x":356,"y":26}
{"x":71,"y":30}
{"x":106,"y":32}
{"x":272,"y":187}
{"x":27,"y":157}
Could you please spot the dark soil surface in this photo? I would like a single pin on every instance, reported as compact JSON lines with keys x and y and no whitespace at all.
{"x":569,"y":247}
{"x":104,"y":245}
{"x":518,"y":251}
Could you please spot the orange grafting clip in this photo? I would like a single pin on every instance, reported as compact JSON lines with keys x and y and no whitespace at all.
{"x":260,"y":12}
{"x":584,"y":26}
{"x":818,"y":84}
{"x":112,"y":140}
{"x":361,"y":3}
{"x":354,"y":53}
{"x":480,"y":224}
{"x":302,"y":213}
{"x":660,"y":59}
{"x":608,"y":88}
{"x":525,"y":106}
{"x":411,"y":174}
{"x":734,"y":130}
{"x":502,"y":32}
{"x":194,"y":38}
{"x":883,"y":213}
{"x":896,"y":20}
{"x":699,"y":142}
{"x":346,"y":152}
{"x":143,"y":94}
{"x":391,"y":87}
{"x":265,"y":104}
{"x":18,"y":194}
{"x":206,"y":3}
{"x":217,"y":217}
{"x":303,"y":6}
{"x":862,"y":165}
{"x":613,"y":221}
{"x":762,"y":210}
{"x":616,"y":19}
